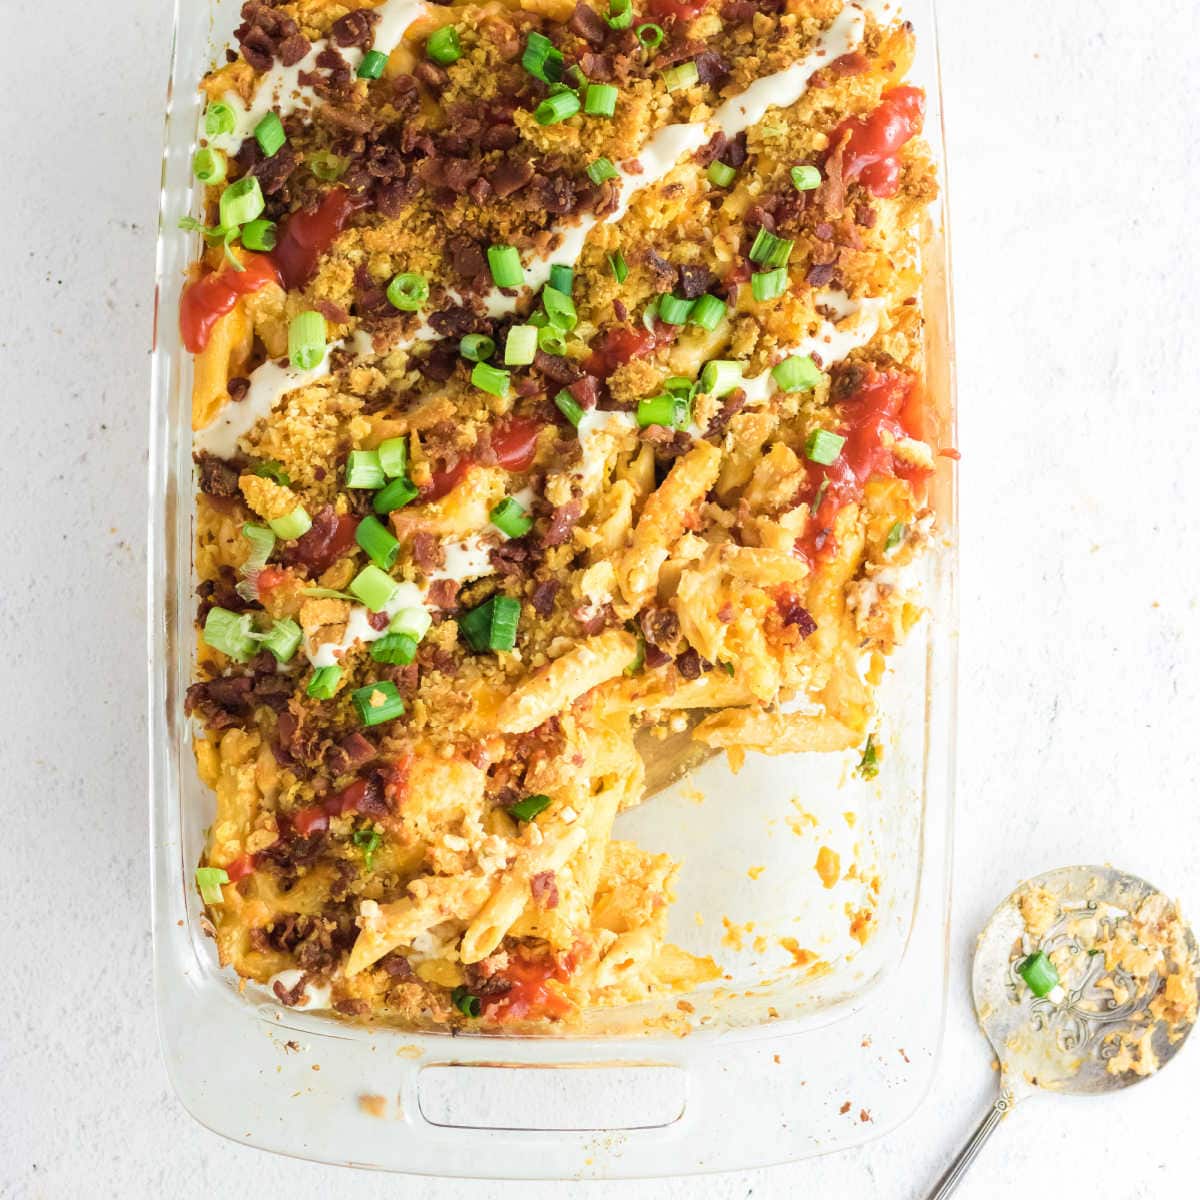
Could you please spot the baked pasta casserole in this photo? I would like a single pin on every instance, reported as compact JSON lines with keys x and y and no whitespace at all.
{"x":557,"y":388}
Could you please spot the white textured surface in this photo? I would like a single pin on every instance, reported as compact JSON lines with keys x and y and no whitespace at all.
{"x":1075,"y":180}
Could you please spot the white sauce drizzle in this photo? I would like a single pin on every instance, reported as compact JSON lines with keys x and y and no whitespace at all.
{"x":280,"y":87}
{"x":599,"y":433}
{"x":269,"y":383}
{"x":359,"y":627}
{"x":467,"y":558}
{"x":316,"y":995}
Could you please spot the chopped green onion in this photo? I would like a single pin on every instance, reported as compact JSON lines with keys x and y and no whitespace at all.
{"x":219,"y":119}
{"x":708,"y":312}
{"x":680,"y":385}
{"x":639,"y":658}
{"x":324,"y":683}
{"x":209,"y":166}
{"x":824,"y":447}
{"x":895,"y":536}
{"x":443,"y":46}
{"x":673,"y":412}
{"x":269,"y":135}
{"x":262,"y":542}
{"x":520,"y":347}
{"x":368,"y":841}
{"x":398,"y":649}
{"x":504,"y":262}
{"x":510,"y":517}
{"x":294,"y":525}
{"x":601,"y":170}
{"x":415,"y":622}
{"x":466,"y":1003}
{"x":600,"y":100}
{"x":259,"y":234}
{"x":674,"y":310}
{"x":769,"y":250}
{"x":527,"y":809}
{"x":372,"y":65}
{"x":326,"y":166}
{"x":569,"y":407}
{"x":804,"y":179}
{"x":492,"y":625}
{"x":378,"y":702}
{"x":272,"y":470}
{"x":230,"y":257}
{"x":560,"y":308}
{"x":1039,"y":973}
{"x":868,"y":764}
{"x":306,"y":340}
{"x":229,"y":632}
{"x":325,"y":593}
{"x":685,"y":75}
{"x":490,"y":379}
{"x":769,"y":284}
{"x":241,"y":201}
{"x":393,"y":457}
{"x":620,"y":14}
{"x":396,"y":495}
{"x":542,"y":59}
{"x":816,"y":500}
{"x":552,"y":341}
{"x":475,"y":347}
{"x":553,"y":109}
{"x":209,"y":881}
{"x":720,"y":377}
{"x":408,"y":292}
{"x":373,"y":587}
{"x":562,"y":278}
{"x":618,"y":266}
{"x":381,"y":547}
{"x":363,"y":469}
{"x":721,"y":175}
{"x":798,"y":373}
{"x":283,"y":639}
{"x":650,"y":35}
{"x":576,"y":76}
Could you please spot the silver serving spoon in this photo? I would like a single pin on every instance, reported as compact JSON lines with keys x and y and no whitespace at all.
{"x":1060,"y":1043}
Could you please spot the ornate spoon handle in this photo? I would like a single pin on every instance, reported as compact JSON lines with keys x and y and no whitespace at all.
{"x":947,"y":1185}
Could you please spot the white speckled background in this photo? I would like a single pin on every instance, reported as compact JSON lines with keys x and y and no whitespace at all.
{"x":1075,"y":179}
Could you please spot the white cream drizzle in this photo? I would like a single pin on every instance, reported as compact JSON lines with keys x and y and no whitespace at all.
{"x":280,"y":87}
{"x":464,"y":559}
{"x":359,"y":627}
{"x":269,"y":383}
{"x":316,"y":995}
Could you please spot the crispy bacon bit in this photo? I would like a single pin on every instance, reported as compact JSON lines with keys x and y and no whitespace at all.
{"x":513,"y":557}
{"x":266,"y":34}
{"x":509,"y":176}
{"x":544,"y":888}
{"x":820,"y":274}
{"x":334,"y":313}
{"x":562,"y":521}
{"x":585,"y":391}
{"x":794,"y":613}
{"x":378,"y":621}
{"x":732,"y":405}
{"x":694,"y":281}
{"x":443,"y":594}
{"x":329,"y":538}
{"x":597,"y":67}
{"x":543,"y":597}
{"x":217,"y":477}
{"x":660,"y":627}
{"x":561,"y":370}
{"x":356,"y":28}
{"x":397,"y":966}
{"x":588,"y":24}
{"x":237,"y":387}
{"x":291,"y":997}
{"x":427,"y":552}
{"x":712,"y":67}
{"x":690,"y":665}
{"x":665,"y":273}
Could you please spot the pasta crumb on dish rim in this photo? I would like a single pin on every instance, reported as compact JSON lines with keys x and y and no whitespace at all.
{"x":558,"y":385}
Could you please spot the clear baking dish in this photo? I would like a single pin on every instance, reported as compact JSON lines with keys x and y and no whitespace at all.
{"x":808,"y":1061}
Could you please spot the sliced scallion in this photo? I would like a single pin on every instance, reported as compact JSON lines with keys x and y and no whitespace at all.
{"x":551,"y":341}
{"x":895,"y":537}
{"x":823,"y":447}
{"x":620,"y":13}
{"x":393,"y":457}
{"x":372,"y":65}
{"x":600,"y":100}
{"x":720,"y":377}
{"x":378,"y":702}
{"x":542,"y":59}
{"x":520,"y":347}
{"x":769,"y":250}
{"x":721,"y":175}
{"x":209,"y":166}
{"x":504,"y":262}
{"x":408,"y":291}
{"x":395,"y":495}
{"x":805,"y":179}
{"x":672,"y":412}
{"x":364,"y":470}
{"x":294,"y":525}
{"x":797,"y":373}
{"x":557,"y":108}
{"x":443,"y":46}
{"x":490,"y":379}
{"x":510,"y":517}
{"x":475,"y":347}
{"x":708,"y":312}
{"x":685,"y":75}
{"x":560,"y":308}
{"x":601,"y":170}
{"x":230,"y":633}
{"x":399,"y":649}
{"x":324,"y":683}
{"x":414,"y":622}
{"x":259,"y":235}
{"x":769,"y":285}
{"x":562,"y":278}
{"x":650,"y":35}
{"x":527,"y":809}
{"x":492,"y":625}
{"x":618,"y":266}
{"x":269,"y":134}
{"x":466,"y":1002}
{"x":326,"y":166}
{"x":241,"y":201}
{"x":306,"y":340}
{"x":674,"y":310}
{"x":283,"y":639}
{"x":373,"y":587}
{"x":219,"y":119}
{"x":381,"y":547}
{"x":1039,"y":973}
{"x":209,"y":881}
{"x":569,"y":407}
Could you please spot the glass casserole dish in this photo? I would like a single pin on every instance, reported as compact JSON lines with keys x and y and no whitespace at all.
{"x":778,"y":1038}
